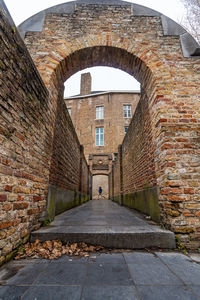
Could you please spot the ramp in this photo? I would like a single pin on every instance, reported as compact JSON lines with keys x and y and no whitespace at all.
{"x":105,"y":223}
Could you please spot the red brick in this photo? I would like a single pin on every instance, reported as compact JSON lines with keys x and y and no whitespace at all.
{"x":3,"y":198}
{"x":6,"y":224}
{"x":171,"y":164}
{"x":6,"y":162}
{"x":188,"y":214}
{"x":167,"y":146}
{"x":8,"y":188}
{"x":20,"y":136}
{"x":167,"y":191}
{"x":7,"y":206}
{"x":20,"y":205}
{"x":175,"y":198}
{"x":32,"y":211}
{"x":188,"y":191}
{"x":19,"y":198}
{"x":37,"y":198}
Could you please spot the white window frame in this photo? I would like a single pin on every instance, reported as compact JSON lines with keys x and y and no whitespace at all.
{"x":127,"y":111}
{"x":99,"y":112}
{"x":99,"y":132}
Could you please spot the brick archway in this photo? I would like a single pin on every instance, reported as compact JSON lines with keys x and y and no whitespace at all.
{"x":164,"y":58}
{"x":41,"y":159}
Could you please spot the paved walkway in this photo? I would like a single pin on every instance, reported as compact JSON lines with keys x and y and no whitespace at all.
{"x":125,"y":275}
{"x":103,"y":222}
{"x":117,"y":276}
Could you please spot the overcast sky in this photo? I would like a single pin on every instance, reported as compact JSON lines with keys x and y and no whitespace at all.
{"x":20,"y":10}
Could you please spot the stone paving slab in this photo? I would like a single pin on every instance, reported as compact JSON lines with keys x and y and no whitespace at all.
{"x":129,"y":275}
{"x":103,"y":222}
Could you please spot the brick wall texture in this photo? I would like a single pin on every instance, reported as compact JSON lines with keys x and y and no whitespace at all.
{"x":137,"y":154}
{"x":38,"y":144}
{"x":97,"y":35}
{"x":138,"y":166}
{"x":170,"y":83}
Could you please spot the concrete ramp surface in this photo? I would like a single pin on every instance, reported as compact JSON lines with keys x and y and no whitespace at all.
{"x":105,"y":223}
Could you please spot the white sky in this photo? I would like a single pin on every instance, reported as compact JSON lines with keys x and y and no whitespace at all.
{"x":103,"y":78}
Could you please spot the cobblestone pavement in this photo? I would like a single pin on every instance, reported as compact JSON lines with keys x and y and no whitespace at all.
{"x":115,"y":276}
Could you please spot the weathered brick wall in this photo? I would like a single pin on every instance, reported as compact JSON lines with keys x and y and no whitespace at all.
{"x":138,"y":151}
{"x":25,"y":141}
{"x":65,"y":161}
{"x":27,"y":132}
{"x":135,"y":183}
{"x":83,"y":114}
{"x":115,"y":36}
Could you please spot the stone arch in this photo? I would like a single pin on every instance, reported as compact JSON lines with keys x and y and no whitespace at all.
{"x":165,"y":59}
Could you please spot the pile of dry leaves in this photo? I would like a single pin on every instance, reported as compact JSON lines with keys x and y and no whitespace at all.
{"x":55,"y":249}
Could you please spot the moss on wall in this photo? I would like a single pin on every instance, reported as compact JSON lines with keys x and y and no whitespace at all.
{"x":145,"y":201}
{"x":117,"y":199}
{"x":60,"y":200}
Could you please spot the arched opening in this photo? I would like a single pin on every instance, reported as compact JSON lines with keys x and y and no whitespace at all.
{"x":101,"y":117}
{"x":138,"y":147}
{"x":100,"y":180}
{"x":158,"y":55}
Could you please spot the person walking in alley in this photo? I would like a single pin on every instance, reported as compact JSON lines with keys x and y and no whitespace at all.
{"x":100,"y":191}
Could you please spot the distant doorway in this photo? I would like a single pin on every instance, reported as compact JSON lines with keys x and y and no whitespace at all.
{"x":100,"y":181}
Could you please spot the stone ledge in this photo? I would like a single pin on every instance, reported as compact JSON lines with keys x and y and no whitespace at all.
{"x":170,"y":27}
{"x":189,"y":45}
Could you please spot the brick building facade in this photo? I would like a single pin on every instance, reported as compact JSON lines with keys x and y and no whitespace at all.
{"x":101,"y":120}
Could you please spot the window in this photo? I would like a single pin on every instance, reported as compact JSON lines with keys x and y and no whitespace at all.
{"x":125,"y":129}
{"x":127,"y":111}
{"x":100,"y":136}
{"x":115,"y":154}
{"x":99,"y":112}
{"x":69,"y":111}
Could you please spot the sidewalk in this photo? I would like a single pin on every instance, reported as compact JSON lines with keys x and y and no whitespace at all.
{"x":114,"y":276}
